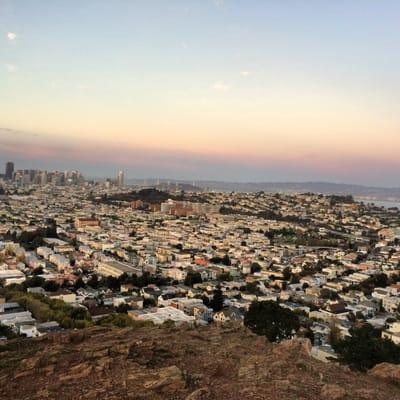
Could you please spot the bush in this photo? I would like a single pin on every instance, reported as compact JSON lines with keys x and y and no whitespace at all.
{"x":122,"y":321}
{"x":7,"y":332}
{"x":45,"y":309}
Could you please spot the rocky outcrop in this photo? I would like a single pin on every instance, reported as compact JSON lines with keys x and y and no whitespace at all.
{"x":333,"y":392}
{"x":386,"y":371}
{"x":207,"y":363}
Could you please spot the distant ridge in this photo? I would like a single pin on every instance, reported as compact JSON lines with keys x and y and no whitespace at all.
{"x":361,"y":191}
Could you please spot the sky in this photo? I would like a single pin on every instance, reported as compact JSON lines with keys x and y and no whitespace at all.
{"x":235,"y":90}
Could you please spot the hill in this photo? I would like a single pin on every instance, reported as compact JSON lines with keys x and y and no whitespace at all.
{"x":176,"y":363}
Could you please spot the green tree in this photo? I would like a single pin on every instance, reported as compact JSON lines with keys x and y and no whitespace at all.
{"x":226,"y":260}
{"x":38,"y":271}
{"x":93,"y":282}
{"x":255,"y":267}
{"x":268,"y":319}
{"x":35,"y":281}
{"x":286,"y":274}
{"x":192,"y":278}
{"x":51,"y":286}
{"x":7,"y":332}
{"x":217,"y":302}
{"x":365,"y":348}
{"x":79,"y":283}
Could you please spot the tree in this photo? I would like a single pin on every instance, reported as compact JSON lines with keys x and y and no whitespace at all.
{"x":268,"y":319}
{"x":286,"y":274}
{"x":193,"y":278}
{"x":217,"y":302}
{"x":35,"y":281}
{"x":38,"y":271}
{"x":51,"y":286}
{"x":7,"y":332}
{"x":112,"y":282}
{"x":328,"y":294}
{"x":226,"y":260}
{"x":225,"y":277}
{"x":79,"y":283}
{"x":252,"y":287}
{"x":334,"y":332}
{"x":123,"y":308}
{"x":365,"y":348}
{"x":255,"y":267}
{"x":93,"y":282}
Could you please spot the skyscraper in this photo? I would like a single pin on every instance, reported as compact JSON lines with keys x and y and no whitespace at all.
{"x":120,"y":179}
{"x":9,"y":170}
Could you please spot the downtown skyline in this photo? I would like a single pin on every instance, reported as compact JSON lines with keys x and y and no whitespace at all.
{"x":233,"y":90}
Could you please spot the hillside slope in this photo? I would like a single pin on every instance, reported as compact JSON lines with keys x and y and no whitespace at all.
{"x":176,"y":363}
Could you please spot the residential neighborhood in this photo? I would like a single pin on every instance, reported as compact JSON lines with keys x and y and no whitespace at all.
{"x":88,"y":253}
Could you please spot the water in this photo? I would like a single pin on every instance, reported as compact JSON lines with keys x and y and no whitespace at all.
{"x":382,"y":203}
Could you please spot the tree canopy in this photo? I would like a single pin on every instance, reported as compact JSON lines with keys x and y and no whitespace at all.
{"x":365,"y":348}
{"x":268,"y":319}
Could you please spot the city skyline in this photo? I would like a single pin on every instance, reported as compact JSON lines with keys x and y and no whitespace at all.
{"x":230,"y":91}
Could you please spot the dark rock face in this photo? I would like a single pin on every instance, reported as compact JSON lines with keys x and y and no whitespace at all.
{"x":178,"y":363}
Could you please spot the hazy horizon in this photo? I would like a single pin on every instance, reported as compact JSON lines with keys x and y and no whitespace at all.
{"x":239,"y":91}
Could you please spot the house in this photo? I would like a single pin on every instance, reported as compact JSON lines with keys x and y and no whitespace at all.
{"x":229,"y":314}
{"x":390,"y":303}
{"x":323,"y":353}
{"x":64,"y":295}
{"x":48,"y":327}
{"x":392,"y":332}
{"x":29,"y":331}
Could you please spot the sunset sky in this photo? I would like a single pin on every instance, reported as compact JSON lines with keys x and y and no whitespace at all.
{"x":239,"y":90}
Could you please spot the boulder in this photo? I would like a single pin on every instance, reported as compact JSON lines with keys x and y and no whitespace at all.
{"x":169,"y":376}
{"x":333,"y":392}
{"x":199,"y":394}
{"x":386,"y":371}
{"x":299,"y":347}
{"x":77,"y":372}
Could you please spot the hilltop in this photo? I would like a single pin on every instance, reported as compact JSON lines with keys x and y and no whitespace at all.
{"x":176,"y":363}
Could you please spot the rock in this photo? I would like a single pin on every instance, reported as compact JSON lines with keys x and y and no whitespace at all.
{"x":103,"y":363}
{"x":23,"y":374}
{"x":332,"y":392}
{"x":294,"y":347}
{"x":386,"y":371}
{"x":48,"y":370}
{"x":249,"y":367}
{"x":280,"y":383}
{"x":366,"y":394}
{"x":90,"y":354}
{"x":77,"y":372}
{"x":32,"y":362}
{"x":77,"y":336}
{"x":169,"y":376}
{"x":122,"y":349}
{"x":199,"y":394}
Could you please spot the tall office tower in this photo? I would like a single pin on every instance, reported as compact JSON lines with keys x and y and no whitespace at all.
{"x":9,"y":170}
{"x":120,"y":179}
{"x":43,"y":178}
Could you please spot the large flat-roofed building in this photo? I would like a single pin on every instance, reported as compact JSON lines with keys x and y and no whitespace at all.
{"x":117,"y":268}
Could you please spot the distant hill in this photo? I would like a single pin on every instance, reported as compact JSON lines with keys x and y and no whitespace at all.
{"x":367,"y":192}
